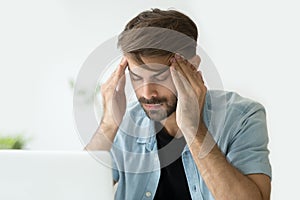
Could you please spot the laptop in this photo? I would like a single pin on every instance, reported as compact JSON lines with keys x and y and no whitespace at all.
{"x":55,"y":175}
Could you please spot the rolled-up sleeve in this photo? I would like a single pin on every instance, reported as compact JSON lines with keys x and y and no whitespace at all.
{"x":248,"y":150}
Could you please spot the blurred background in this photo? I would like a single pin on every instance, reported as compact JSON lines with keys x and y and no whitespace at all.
{"x":43,"y":43}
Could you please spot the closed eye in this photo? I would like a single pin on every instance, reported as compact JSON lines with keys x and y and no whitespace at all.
{"x":135,"y":77}
{"x":162,"y":77}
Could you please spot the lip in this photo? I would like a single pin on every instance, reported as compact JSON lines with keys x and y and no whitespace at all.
{"x":153,"y":106}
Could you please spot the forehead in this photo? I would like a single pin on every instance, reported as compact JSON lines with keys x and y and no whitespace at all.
{"x":150,"y":63}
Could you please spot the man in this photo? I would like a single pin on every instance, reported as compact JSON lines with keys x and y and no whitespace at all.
{"x":179,"y":141}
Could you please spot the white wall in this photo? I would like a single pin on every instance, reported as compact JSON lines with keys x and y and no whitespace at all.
{"x":254,"y":45}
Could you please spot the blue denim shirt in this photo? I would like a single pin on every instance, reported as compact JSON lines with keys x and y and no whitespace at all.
{"x":237,"y":124}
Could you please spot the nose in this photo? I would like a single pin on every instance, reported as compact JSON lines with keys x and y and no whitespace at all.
{"x":149,"y":91}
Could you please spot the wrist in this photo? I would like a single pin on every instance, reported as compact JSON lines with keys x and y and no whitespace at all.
{"x":108,"y":124}
{"x":203,"y":143}
{"x":103,"y":138}
{"x":108,"y":130}
{"x":195,"y":132}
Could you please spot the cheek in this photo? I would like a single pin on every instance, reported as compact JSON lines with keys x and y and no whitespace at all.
{"x":134,"y":85}
{"x":138,"y":93}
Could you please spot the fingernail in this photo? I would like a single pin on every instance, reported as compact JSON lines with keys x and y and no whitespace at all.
{"x":173,"y":60}
{"x":177,"y":56}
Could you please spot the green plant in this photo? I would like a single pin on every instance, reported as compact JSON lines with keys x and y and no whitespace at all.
{"x":12,"y":142}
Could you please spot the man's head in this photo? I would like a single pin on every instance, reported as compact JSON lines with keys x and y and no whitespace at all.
{"x":157,"y":32}
{"x":148,"y":42}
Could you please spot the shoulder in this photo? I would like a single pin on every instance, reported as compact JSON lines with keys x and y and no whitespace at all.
{"x":227,"y":113}
{"x":231,"y":102}
{"x":241,"y":131}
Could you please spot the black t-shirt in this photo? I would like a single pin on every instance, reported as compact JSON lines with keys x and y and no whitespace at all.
{"x":172,"y":183}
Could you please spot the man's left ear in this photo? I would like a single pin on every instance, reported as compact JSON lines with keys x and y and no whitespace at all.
{"x":195,"y":60}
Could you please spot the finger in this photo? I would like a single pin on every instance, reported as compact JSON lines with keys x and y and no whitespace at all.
{"x":185,"y":92}
{"x":119,"y":71}
{"x":121,"y":83}
{"x":185,"y":84}
{"x":194,"y":80}
{"x":177,"y":81}
{"x":122,"y":66}
{"x":117,"y":75}
{"x":112,"y":82}
{"x":188,"y":70}
{"x":195,"y":61}
{"x":176,"y":66}
{"x":200,"y":77}
{"x":185,"y":63}
{"x":120,"y":74}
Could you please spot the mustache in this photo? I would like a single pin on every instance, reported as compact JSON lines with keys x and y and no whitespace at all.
{"x":153,"y":100}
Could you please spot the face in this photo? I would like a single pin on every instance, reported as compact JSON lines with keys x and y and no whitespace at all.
{"x":154,"y":87}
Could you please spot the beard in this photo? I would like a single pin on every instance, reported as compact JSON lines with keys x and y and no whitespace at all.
{"x":168,"y":106}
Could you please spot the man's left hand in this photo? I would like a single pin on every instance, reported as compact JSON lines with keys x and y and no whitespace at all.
{"x":191,"y":93}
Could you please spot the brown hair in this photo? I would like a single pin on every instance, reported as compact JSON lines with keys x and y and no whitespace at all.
{"x":157,"y":32}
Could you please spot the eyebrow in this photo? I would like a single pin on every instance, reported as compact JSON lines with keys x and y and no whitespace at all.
{"x":160,"y":72}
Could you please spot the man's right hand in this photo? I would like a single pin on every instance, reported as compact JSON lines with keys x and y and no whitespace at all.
{"x":113,"y":95}
{"x":114,"y":106}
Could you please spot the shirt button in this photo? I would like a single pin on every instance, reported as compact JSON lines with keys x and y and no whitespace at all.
{"x":195,"y":188}
{"x":148,"y":194}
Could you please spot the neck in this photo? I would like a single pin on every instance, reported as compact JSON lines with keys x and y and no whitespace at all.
{"x":171,"y":126}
